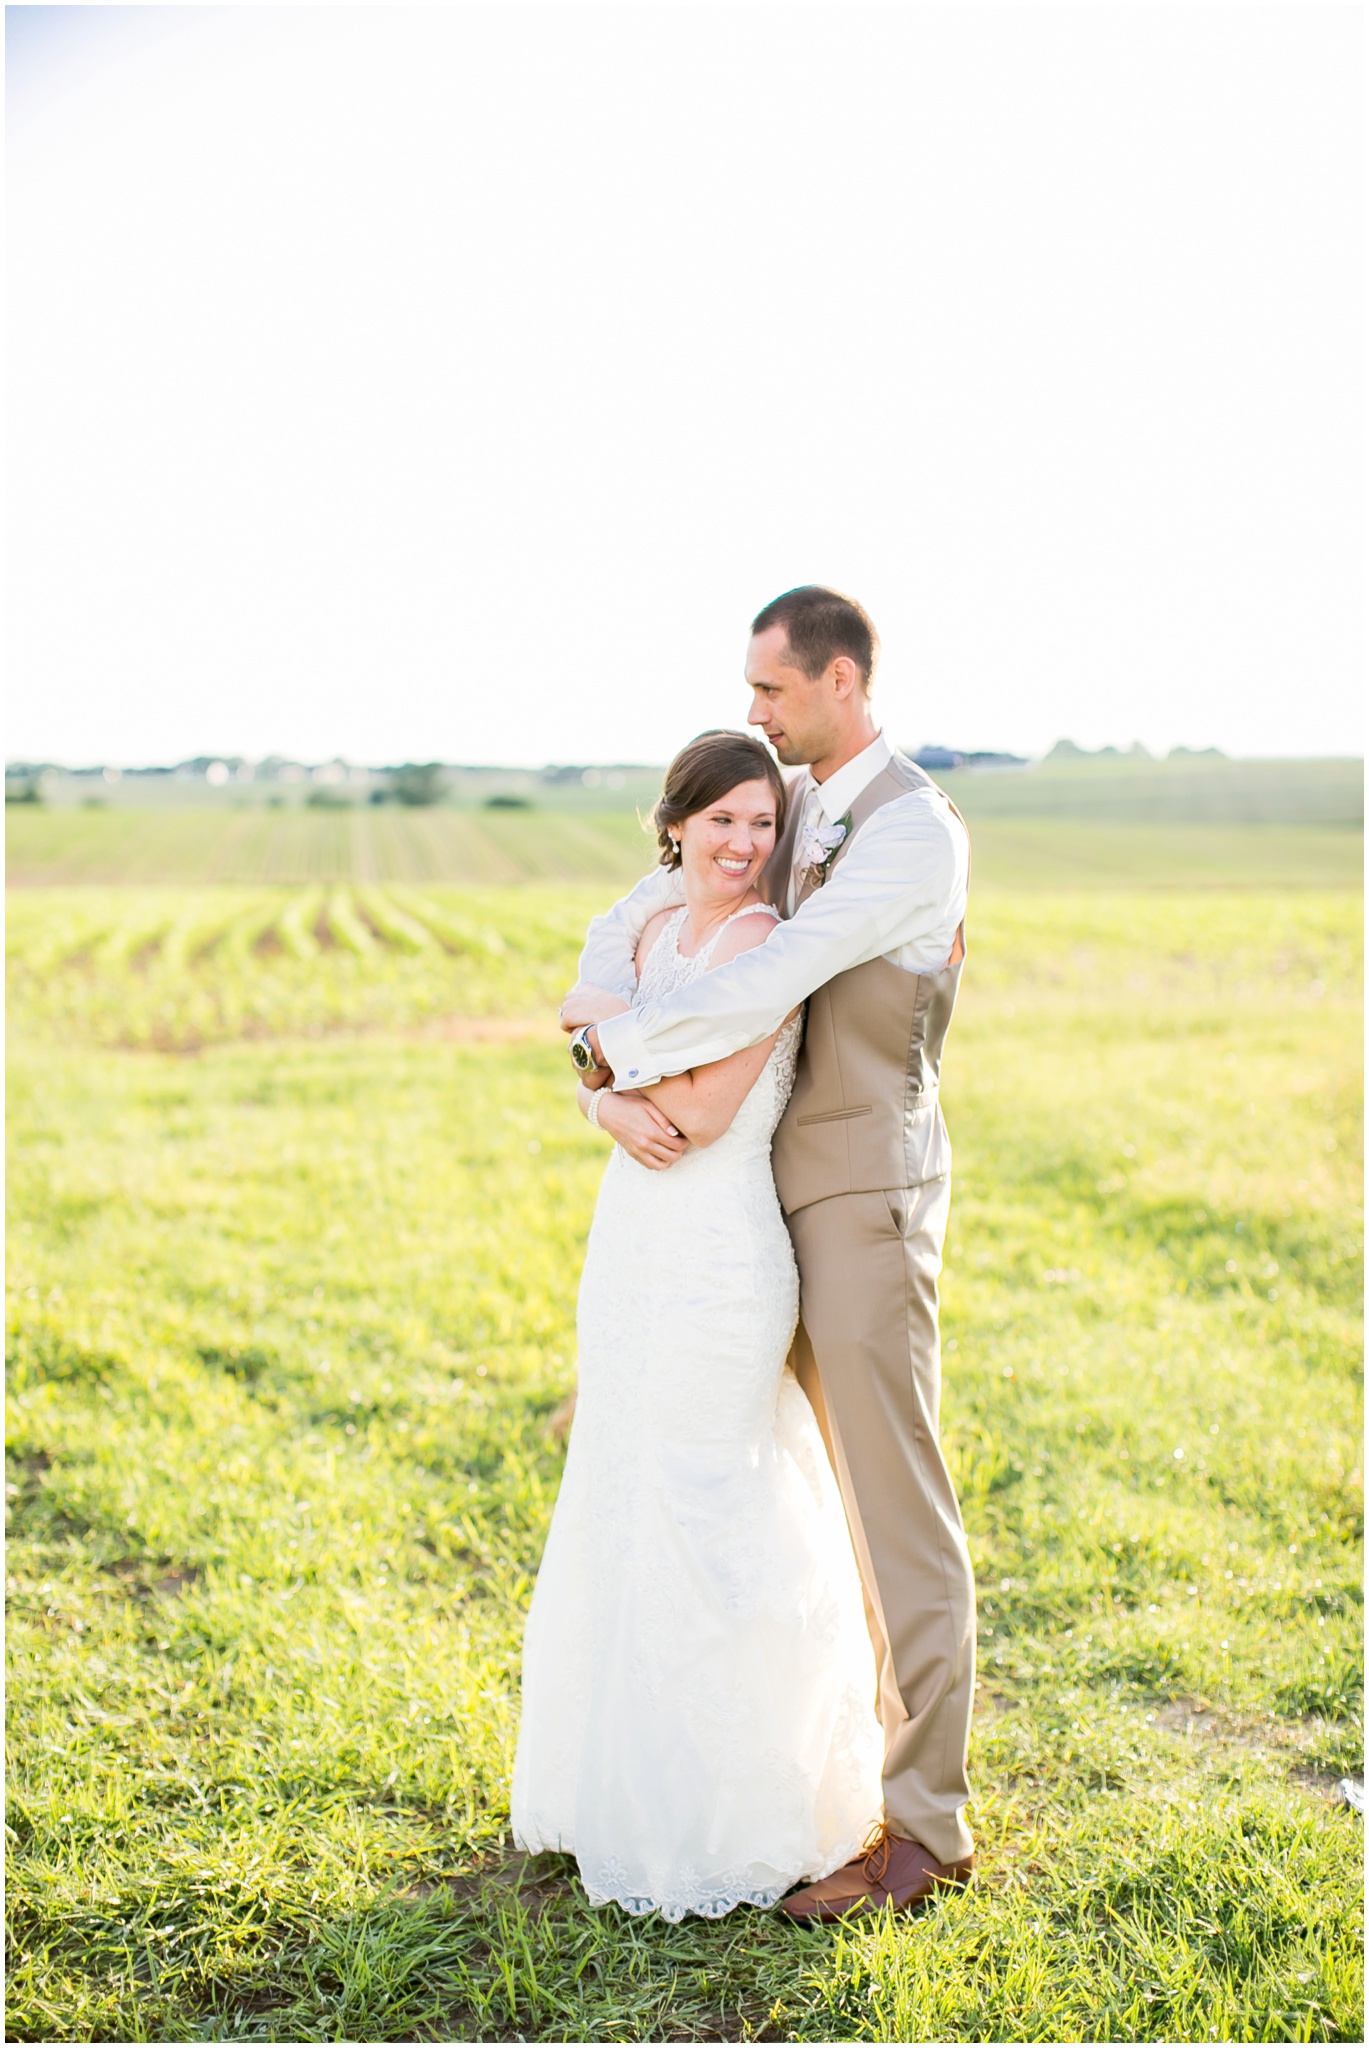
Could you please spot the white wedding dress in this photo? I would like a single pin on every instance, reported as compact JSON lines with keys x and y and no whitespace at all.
{"x":698,"y":1683}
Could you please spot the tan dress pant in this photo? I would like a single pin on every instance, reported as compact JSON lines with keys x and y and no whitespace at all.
{"x":868,"y":1355}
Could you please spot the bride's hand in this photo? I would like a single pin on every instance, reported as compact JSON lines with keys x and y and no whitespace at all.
{"x":587,"y":1004}
{"x":639,"y":1127}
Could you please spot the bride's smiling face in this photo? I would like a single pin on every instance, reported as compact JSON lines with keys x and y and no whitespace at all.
{"x":724,"y":848}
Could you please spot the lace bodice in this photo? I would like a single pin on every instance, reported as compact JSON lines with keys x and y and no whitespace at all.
{"x":666,"y":969}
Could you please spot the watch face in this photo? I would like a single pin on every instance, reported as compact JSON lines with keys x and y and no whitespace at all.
{"x":581,"y":1054}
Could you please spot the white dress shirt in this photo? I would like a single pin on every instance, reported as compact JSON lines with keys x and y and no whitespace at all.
{"x":830,"y":800}
{"x":899,"y":894}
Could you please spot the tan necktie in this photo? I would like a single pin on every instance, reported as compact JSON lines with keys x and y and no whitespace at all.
{"x":807,"y":820}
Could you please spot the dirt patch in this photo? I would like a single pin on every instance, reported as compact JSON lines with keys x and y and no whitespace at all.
{"x":536,"y":1882}
{"x":490,"y":1030}
{"x":1261,"y":1736}
{"x":38,"y":1461}
{"x":1289,"y":1746}
{"x":1188,"y":1717}
{"x":145,"y":1576}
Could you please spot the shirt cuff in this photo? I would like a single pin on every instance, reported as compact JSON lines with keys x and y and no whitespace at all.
{"x":621,"y":1044}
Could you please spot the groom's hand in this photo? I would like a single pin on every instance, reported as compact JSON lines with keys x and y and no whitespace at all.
{"x":569,"y":1012}
{"x":586,"y":1004}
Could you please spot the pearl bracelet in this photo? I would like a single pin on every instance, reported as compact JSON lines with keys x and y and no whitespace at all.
{"x":592,"y":1107}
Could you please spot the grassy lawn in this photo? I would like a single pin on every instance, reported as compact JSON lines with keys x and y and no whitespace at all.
{"x":292,"y":1310}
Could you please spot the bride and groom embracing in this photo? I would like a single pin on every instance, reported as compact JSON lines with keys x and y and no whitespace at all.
{"x":754,"y":1492}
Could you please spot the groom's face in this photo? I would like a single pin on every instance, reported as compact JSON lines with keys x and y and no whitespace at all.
{"x":798,"y":713}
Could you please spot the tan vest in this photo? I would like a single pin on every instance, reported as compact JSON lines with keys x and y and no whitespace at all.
{"x":864,"y":1114}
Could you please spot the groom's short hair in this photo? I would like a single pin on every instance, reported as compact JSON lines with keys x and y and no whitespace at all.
{"x":819,"y":625}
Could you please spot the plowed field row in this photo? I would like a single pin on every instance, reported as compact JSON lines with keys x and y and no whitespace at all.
{"x":178,"y":968}
{"x":306,"y":845}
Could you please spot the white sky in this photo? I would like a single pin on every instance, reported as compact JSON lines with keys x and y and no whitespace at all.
{"x":457,"y":381}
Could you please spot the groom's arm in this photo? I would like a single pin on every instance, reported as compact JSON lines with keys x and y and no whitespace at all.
{"x":610,"y":951}
{"x":900,"y":890}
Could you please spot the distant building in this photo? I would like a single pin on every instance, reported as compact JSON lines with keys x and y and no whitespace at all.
{"x":942,"y":758}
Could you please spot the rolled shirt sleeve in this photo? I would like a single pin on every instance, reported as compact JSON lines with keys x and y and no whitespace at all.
{"x":899,"y":893}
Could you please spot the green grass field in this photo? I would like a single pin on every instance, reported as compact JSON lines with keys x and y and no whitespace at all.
{"x":298,"y":1201}
{"x":1091,"y":824}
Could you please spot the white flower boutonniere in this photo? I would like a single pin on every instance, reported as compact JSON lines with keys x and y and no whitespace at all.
{"x":821,"y":845}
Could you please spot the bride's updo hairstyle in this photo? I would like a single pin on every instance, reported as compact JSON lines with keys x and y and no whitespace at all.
{"x":703,"y":772}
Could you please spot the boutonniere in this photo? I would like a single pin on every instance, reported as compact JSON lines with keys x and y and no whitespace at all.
{"x":821,"y":845}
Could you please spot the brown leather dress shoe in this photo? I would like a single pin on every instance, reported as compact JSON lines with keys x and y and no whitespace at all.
{"x":889,"y":1871}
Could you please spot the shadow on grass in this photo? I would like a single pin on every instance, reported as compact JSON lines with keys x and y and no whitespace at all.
{"x":509,"y":1949}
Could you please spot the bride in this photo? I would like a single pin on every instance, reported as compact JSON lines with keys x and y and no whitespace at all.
{"x":698,"y":1683}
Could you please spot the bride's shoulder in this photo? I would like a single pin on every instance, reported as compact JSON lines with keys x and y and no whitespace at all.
{"x":743,"y":930}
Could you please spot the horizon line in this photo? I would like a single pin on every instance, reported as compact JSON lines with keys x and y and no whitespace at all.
{"x":21,"y":764}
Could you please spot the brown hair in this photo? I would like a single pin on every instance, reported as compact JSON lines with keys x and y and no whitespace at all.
{"x":705,"y":770}
{"x":819,"y":625}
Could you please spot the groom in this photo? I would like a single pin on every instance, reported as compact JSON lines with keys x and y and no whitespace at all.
{"x":872,"y":870}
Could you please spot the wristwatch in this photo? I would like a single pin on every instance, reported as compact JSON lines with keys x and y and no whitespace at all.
{"x":582,"y":1052}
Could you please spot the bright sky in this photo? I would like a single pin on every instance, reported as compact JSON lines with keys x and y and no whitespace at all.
{"x":409,"y":382}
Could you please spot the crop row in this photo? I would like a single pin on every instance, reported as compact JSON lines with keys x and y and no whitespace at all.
{"x":179,"y":968}
{"x":263,"y":848}
{"x":201,"y":930}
